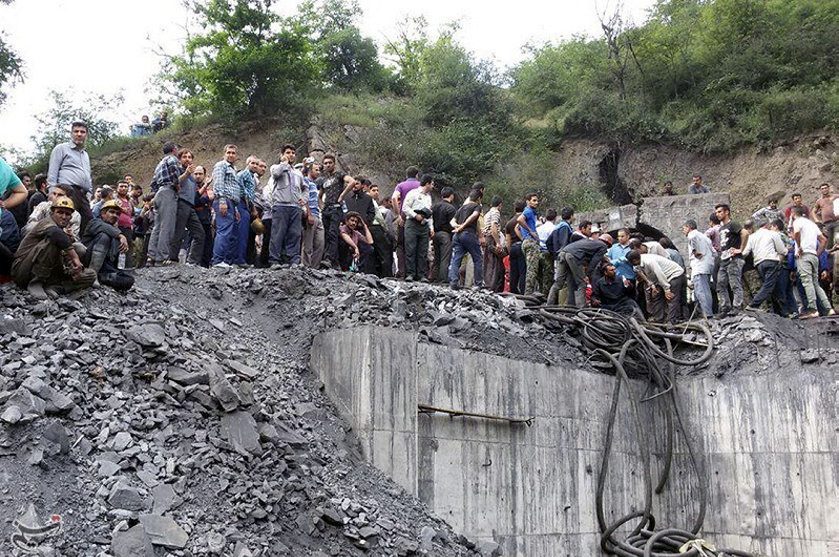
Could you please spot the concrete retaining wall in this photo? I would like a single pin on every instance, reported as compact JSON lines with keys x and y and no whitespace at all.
{"x":769,"y":445}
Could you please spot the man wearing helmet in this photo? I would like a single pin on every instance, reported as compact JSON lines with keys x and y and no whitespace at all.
{"x":104,"y":244}
{"x":46,"y":263}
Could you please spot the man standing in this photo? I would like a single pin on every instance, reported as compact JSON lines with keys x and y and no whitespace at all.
{"x":769,"y":251}
{"x":247,"y":178}
{"x":702,"y":256}
{"x":443,"y":212}
{"x":400,"y":193}
{"x":697,"y":186}
{"x":226,"y":200}
{"x":70,"y":166}
{"x":330,"y":185}
{"x":494,"y":248}
{"x":581,"y":260}
{"x":797,"y":201}
{"x":733,"y":238}
{"x":824,"y":213}
{"x":165,"y":186}
{"x":811,"y":242}
{"x":770,"y":212}
{"x":466,"y":240}
{"x":382,"y":244}
{"x":46,"y":263}
{"x":287,"y":202}
{"x":530,"y":243}
{"x":665,"y":282}
{"x":357,"y":201}
{"x":559,"y":238}
{"x":185,"y":217}
{"x":419,"y":228}
{"x":203,"y":205}
{"x":313,"y":235}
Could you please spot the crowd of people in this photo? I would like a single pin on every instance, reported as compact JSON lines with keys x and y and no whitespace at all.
{"x":59,"y":234}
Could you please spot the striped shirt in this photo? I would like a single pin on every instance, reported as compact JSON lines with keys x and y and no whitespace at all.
{"x":247,"y":184}
{"x":225,"y":183}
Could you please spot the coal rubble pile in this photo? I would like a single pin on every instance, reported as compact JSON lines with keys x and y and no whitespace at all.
{"x":181,"y":419}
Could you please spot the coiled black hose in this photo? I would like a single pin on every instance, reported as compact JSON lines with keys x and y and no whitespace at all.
{"x":632,"y":347}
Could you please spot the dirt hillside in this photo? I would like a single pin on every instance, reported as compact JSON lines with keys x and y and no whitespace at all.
{"x":624,"y":172}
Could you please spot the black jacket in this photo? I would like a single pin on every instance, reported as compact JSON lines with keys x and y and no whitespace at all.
{"x":361,"y":203}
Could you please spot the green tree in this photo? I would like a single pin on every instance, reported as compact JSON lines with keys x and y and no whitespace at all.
{"x":54,"y":123}
{"x":11,"y":66}
{"x":405,"y":51}
{"x":349,"y":61}
{"x":246,"y":61}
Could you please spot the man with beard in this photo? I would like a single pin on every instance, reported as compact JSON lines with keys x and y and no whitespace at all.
{"x":105,"y":244}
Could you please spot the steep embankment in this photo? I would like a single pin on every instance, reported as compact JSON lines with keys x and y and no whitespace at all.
{"x":623,"y":172}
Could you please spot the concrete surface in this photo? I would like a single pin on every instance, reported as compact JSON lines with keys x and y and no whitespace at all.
{"x":769,"y":445}
{"x":665,"y":215}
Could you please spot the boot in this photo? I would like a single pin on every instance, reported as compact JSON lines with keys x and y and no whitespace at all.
{"x":36,"y":288}
{"x":97,"y":259}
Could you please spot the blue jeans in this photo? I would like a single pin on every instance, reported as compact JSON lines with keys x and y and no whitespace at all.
{"x":227,"y":235}
{"x":244,"y":229}
{"x":702,"y":293}
{"x":286,"y":233}
{"x":463,"y":243}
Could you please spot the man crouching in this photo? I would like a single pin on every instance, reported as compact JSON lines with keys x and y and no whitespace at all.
{"x":46,"y":263}
{"x":105,"y":244}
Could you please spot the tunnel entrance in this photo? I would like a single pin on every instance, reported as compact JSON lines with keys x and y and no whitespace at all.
{"x":610,"y":180}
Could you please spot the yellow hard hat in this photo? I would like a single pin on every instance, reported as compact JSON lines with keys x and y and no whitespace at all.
{"x":112,"y":204}
{"x":258,"y":226}
{"x":62,"y":202}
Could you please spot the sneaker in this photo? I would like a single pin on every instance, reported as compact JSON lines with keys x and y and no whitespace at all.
{"x":831,"y":312}
{"x":36,"y":288}
{"x":754,"y":309}
{"x":409,"y":279}
{"x":221,"y":265}
{"x":809,"y":314}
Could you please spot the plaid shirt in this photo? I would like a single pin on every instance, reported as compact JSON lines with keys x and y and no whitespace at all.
{"x":225,"y":183}
{"x":167,"y":172}
{"x":247,"y":184}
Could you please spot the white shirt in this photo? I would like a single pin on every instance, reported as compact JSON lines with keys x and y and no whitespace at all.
{"x":543,"y":231}
{"x":659,"y":270}
{"x":701,"y":244}
{"x":808,"y":241}
{"x":417,"y":199}
{"x":766,"y":245}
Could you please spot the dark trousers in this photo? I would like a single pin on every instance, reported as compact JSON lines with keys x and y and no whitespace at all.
{"x":768,"y":271}
{"x":518,"y":269}
{"x":10,"y":238}
{"x":207,"y":251}
{"x":493,"y":266}
{"x":416,"y":249}
{"x":466,"y":242}
{"x":784,"y":293}
{"x":187,"y":220}
{"x":82,"y":204}
{"x":265,"y":252}
{"x":442,"y":255}
{"x":382,"y":252}
{"x":332,"y":217}
{"x":286,"y":233}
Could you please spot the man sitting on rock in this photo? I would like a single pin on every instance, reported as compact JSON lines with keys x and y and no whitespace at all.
{"x":615,"y":293}
{"x":46,"y":263}
{"x":104,"y":244}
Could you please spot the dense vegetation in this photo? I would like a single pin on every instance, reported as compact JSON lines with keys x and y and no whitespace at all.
{"x":707,"y":75}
